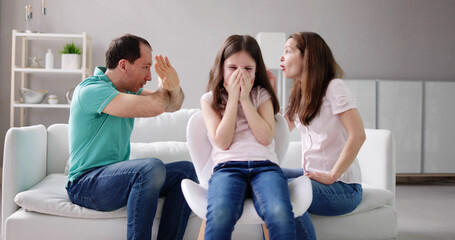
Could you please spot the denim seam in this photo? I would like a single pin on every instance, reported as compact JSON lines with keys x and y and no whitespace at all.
{"x":85,"y":199}
{"x":136,"y":210}
{"x":259,"y":200}
{"x":306,"y":232}
{"x":105,"y":176}
{"x":179,"y":228}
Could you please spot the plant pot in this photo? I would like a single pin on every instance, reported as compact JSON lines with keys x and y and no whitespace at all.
{"x":71,"y":61}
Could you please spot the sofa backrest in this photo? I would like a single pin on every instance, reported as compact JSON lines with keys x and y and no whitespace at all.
{"x":57,"y":148}
{"x":165,"y":127}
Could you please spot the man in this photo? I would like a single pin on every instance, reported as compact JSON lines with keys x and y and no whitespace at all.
{"x":100,"y":125}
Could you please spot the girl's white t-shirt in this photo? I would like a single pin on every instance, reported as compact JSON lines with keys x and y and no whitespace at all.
{"x":324,"y":138}
{"x":244,"y":146}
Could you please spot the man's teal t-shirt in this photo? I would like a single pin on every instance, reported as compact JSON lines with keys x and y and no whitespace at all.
{"x":96,"y":139}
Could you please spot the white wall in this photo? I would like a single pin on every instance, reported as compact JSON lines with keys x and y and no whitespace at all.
{"x":387,"y":39}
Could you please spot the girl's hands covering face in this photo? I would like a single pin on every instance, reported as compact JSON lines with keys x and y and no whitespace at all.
{"x":239,"y":73}
{"x":246,"y":83}
{"x":232,"y":85}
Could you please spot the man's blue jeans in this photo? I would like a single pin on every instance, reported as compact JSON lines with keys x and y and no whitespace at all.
{"x":232,"y":182}
{"x":137,"y":184}
{"x":328,"y":200}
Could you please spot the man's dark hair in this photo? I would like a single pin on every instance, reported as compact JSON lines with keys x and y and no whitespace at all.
{"x":124,"y":47}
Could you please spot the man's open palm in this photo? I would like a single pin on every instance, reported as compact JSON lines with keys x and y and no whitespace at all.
{"x":169,"y":78}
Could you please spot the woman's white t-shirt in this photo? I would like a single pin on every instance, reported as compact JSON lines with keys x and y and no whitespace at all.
{"x":324,"y":138}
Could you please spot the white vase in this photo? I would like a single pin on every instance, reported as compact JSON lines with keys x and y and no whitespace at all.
{"x":49,"y":59}
{"x":71,"y":61}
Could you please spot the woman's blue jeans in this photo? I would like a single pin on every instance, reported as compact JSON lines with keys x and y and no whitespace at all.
{"x":328,"y":200}
{"x":137,"y":184}
{"x":232,"y":182}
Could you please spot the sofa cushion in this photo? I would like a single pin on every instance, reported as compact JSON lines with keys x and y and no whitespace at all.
{"x":168,"y":126}
{"x":169,"y":151}
{"x":50,"y":197}
{"x":373,"y":198}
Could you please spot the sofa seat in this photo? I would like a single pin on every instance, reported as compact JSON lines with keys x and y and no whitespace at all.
{"x":49,"y":198}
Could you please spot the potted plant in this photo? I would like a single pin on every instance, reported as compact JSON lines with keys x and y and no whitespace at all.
{"x":71,"y":56}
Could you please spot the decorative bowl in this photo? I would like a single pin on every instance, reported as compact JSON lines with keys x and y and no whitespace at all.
{"x":32,"y":96}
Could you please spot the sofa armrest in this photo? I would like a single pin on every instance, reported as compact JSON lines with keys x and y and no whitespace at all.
{"x":377,"y":160}
{"x":24,"y":164}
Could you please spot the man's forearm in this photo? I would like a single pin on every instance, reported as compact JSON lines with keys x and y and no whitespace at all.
{"x":175,"y":100}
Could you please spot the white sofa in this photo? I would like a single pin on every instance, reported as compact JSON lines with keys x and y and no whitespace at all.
{"x":35,"y":205}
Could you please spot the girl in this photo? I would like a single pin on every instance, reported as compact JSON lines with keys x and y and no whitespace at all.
{"x":239,"y":110}
{"x":332,"y":132}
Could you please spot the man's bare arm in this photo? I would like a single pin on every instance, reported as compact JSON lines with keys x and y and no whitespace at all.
{"x":145,"y":105}
{"x":175,"y":100}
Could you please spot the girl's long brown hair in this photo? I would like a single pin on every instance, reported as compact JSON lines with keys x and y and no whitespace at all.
{"x":232,"y":45}
{"x":319,"y":68}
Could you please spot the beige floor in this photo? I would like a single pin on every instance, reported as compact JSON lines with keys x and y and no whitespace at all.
{"x":425,"y":211}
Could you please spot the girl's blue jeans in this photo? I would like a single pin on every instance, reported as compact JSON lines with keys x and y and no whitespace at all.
{"x":328,"y":200}
{"x":137,"y":184}
{"x":232,"y":182}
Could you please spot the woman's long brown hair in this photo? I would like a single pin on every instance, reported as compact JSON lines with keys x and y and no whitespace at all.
{"x":232,"y":45}
{"x":319,"y":68}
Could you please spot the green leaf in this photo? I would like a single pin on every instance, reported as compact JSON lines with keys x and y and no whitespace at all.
{"x":71,"y":48}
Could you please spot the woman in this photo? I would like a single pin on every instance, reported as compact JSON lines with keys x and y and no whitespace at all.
{"x":331,"y":129}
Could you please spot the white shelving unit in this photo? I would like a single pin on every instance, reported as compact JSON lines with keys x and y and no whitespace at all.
{"x":21,"y":71}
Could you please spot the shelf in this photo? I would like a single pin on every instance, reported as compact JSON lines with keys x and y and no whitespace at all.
{"x":43,"y":70}
{"x":41,"y":105}
{"x":49,"y":36}
{"x":21,"y":45}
